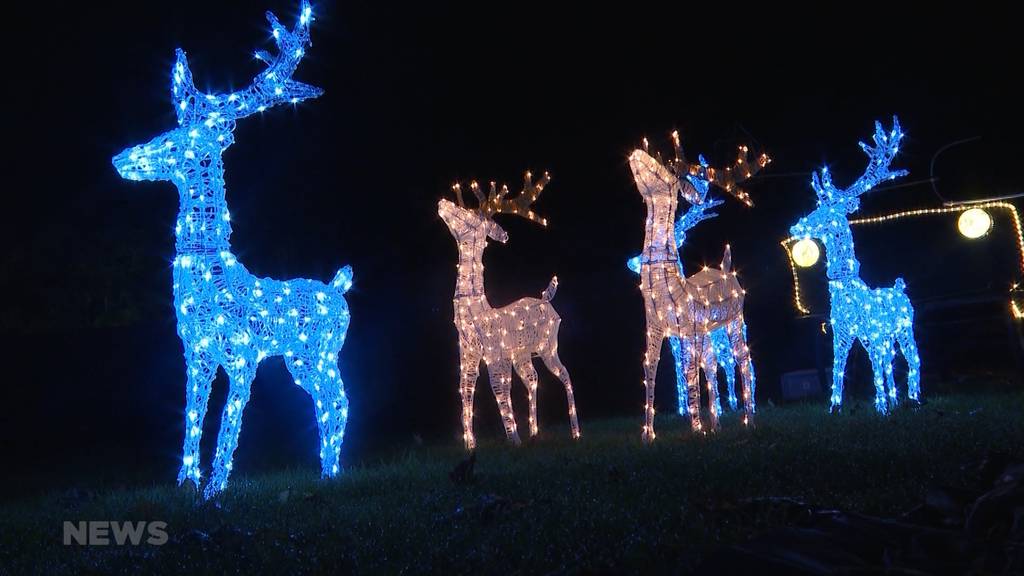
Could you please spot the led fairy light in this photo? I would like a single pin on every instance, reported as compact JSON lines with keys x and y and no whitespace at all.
{"x":1010,"y":209}
{"x":879,"y":318}
{"x":505,"y":338}
{"x":226,"y":316}
{"x":688,"y":308}
{"x":719,"y":338}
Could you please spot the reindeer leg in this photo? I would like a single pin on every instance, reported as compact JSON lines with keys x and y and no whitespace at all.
{"x":675,"y":344}
{"x":908,"y":347}
{"x":723,"y":349}
{"x":330,"y":405}
{"x":693,"y":363}
{"x":240,"y":375}
{"x":500,"y":374}
{"x":201,"y":372}
{"x":709,"y":363}
{"x":651,"y":360}
{"x":841,"y":345}
{"x":524,"y":367}
{"x":890,"y":381}
{"x":877,"y":355}
{"x":554,"y":364}
{"x":737,"y":332}
{"x":470,"y":371}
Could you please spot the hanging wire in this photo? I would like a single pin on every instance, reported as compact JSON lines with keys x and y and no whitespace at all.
{"x":931,"y":166}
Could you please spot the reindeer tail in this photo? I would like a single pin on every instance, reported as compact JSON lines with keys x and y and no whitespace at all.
{"x":549,"y":292}
{"x":727,"y":259}
{"x":900,"y":285}
{"x":343,"y":279}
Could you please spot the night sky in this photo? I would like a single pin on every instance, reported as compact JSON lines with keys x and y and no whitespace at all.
{"x":416,"y":97}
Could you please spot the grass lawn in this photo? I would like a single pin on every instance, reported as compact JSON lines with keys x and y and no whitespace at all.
{"x":606,"y":503}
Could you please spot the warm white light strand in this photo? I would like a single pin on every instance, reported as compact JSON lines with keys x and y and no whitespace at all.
{"x":1011,"y":211}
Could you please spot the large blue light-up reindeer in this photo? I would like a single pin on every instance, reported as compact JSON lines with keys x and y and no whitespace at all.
{"x":878,"y":317}
{"x":226,"y":316}
{"x":720,"y":351}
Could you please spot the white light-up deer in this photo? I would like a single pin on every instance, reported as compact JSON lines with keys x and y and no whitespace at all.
{"x":226,"y":316}
{"x":721,"y":347}
{"x":878,"y":317}
{"x":504,"y":338}
{"x":688,"y":308}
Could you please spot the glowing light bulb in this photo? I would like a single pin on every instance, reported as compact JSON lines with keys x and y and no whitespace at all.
{"x":974,"y":223}
{"x":805,"y":253}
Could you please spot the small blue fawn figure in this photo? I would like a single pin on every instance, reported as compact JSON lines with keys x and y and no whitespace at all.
{"x":226,"y":316}
{"x":879,"y":317}
{"x":719,"y":339}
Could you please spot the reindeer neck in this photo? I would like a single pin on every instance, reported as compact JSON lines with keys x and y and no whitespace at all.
{"x":659,"y":234}
{"x":840,"y":259}
{"x":203,"y":225}
{"x":470,"y":282}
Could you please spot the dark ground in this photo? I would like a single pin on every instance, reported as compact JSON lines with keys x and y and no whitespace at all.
{"x":605,"y":504}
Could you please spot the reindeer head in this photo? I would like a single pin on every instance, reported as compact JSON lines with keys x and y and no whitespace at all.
{"x":829,"y":221}
{"x":206,"y":121}
{"x":694,"y":215}
{"x":655,"y":178}
{"x":475,"y":225}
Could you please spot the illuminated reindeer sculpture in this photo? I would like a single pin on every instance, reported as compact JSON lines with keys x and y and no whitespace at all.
{"x":226,"y":316}
{"x":721,"y":347}
{"x":688,"y":308}
{"x":504,"y":338}
{"x":878,"y":317}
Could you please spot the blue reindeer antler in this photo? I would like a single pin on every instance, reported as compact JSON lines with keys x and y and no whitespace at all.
{"x":696,"y":214}
{"x":880,"y":156}
{"x":271,"y":87}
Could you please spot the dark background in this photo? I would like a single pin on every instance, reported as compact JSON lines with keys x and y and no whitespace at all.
{"x":418,"y":96}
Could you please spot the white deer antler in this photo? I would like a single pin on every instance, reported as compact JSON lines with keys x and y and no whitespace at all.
{"x":727,"y":179}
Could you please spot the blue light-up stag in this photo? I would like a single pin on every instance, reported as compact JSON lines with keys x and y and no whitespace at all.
{"x":226,"y":316}
{"x":879,"y":318}
{"x":720,"y":351}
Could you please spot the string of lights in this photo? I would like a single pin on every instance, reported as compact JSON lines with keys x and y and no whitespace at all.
{"x":976,"y":226}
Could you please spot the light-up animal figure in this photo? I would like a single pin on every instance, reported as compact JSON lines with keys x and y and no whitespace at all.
{"x":504,"y":338}
{"x":687,"y":308}
{"x":226,"y":316}
{"x":878,"y":317}
{"x":719,"y":339}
